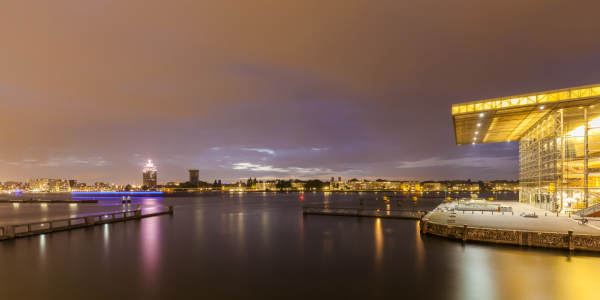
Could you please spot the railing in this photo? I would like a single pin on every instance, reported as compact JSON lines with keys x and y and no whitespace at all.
{"x":364,"y":212}
{"x":588,"y":211}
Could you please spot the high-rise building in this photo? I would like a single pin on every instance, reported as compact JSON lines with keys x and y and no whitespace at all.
{"x":194,"y":176}
{"x":150,"y":175}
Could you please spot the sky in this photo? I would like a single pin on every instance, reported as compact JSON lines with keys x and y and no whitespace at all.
{"x":91,"y":90}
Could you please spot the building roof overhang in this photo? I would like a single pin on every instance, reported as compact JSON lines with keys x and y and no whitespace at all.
{"x":508,"y":118}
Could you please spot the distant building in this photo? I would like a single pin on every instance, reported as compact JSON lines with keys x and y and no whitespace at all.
{"x":102,"y":185}
{"x":432,"y":186}
{"x":72,"y":183}
{"x":13,"y":184}
{"x":297,"y":184}
{"x":194,"y":176}
{"x":149,"y":175}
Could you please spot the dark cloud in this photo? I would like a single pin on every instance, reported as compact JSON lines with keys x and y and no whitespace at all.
{"x":239,"y":89}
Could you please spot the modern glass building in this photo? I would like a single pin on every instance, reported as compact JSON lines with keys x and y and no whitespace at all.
{"x":559,"y":142}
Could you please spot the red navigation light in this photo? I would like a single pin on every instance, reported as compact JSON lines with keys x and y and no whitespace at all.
{"x":301,"y":197}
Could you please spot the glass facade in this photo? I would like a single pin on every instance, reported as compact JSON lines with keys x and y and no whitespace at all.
{"x":560,"y":160}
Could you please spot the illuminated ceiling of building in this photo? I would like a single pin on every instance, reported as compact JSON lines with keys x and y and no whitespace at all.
{"x":506,"y":119}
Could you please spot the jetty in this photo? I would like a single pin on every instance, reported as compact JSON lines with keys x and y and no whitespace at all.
{"x":363,"y":212}
{"x":47,"y":201}
{"x":35,"y":228}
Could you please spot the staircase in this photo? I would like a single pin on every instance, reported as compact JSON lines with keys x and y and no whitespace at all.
{"x":588,"y":211}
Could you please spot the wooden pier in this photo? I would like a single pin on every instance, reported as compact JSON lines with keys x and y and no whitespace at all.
{"x":47,"y":201}
{"x":23,"y":230}
{"x":364,"y":212}
{"x":376,"y":200}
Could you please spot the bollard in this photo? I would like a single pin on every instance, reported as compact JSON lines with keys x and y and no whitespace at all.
{"x":472,"y":212}
{"x":465,"y":232}
{"x":170,"y":209}
{"x":463,"y":212}
{"x":503,"y":213}
{"x":557,"y":214}
{"x":546,"y":215}
{"x":482,"y":212}
{"x":492,"y":212}
{"x":571,"y":244}
{"x":89,"y":220}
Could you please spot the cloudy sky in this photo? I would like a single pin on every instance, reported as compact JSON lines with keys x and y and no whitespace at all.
{"x":274,"y":89}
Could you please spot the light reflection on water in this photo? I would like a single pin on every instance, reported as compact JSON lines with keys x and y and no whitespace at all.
{"x":150,"y":240}
{"x":378,"y":242}
{"x":244,"y":245}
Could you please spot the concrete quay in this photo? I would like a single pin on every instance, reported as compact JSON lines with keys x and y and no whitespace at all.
{"x":548,"y":230}
{"x":85,"y":220}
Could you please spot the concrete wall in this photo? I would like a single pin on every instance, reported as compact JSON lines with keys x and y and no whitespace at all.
{"x":516,"y":237}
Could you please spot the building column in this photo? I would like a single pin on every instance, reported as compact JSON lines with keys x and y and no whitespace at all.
{"x":562,"y":159}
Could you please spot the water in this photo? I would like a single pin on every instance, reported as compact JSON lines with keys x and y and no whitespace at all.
{"x":262,"y":246}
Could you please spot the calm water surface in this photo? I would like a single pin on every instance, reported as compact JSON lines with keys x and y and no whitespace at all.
{"x":262,"y":246}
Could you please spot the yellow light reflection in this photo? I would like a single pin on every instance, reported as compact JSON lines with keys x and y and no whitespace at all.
{"x":378,"y":242}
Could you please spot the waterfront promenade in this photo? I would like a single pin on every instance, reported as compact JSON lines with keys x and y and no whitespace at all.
{"x":508,"y":221}
{"x":551,"y":230}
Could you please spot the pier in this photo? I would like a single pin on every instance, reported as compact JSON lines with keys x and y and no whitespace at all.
{"x":35,"y":228}
{"x":47,"y":201}
{"x":363,"y":212}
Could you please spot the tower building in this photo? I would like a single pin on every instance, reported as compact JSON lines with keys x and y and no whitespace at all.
{"x":150,"y":175}
{"x":194,"y":176}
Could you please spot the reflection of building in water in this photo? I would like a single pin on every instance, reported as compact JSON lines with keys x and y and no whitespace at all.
{"x":559,"y":142}
{"x":150,"y":175}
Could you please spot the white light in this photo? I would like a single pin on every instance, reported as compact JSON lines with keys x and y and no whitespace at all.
{"x":542,"y":107}
{"x":476,"y":132}
{"x":474,"y":138}
{"x":478,"y":124}
{"x":481,"y":115}
{"x":473,"y":143}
